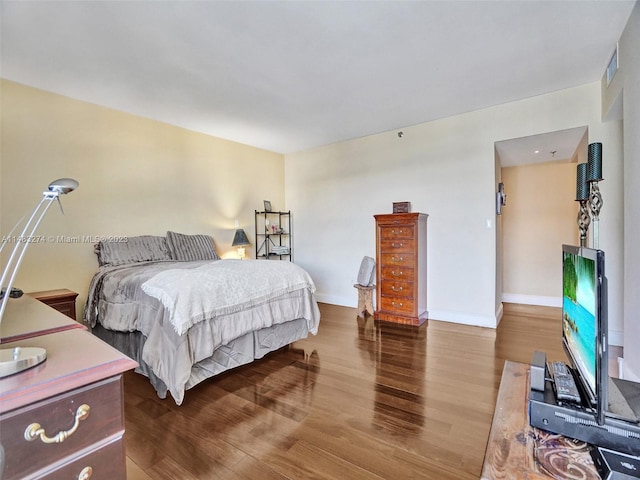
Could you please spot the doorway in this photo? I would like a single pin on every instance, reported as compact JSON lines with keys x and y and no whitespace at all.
{"x":539,"y":177}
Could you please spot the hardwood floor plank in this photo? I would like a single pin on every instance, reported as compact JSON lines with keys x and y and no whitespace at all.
{"x":361,"y":400}
{"x":134,"y":472}
{"x":306,"y":460}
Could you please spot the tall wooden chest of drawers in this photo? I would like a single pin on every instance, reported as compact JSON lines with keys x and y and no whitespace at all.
{"x":401,"y":268}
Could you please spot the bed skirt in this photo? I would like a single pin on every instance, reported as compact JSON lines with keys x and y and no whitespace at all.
{"x":243,"y":350}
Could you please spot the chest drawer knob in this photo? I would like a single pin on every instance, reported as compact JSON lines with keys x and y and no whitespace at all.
{"x":393,"y":287}
{"x":86,"y":473}
{"x":400,"y":304}
{"x":397,"y":274}
{"x":397,"y":245}
{"x":34,"y":430}
{"x":399,"y":232}
{"x":397,"y":259}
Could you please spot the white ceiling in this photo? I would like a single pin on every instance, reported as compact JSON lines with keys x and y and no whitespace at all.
{"x":291,"y":75}
{"x":558,"y":146}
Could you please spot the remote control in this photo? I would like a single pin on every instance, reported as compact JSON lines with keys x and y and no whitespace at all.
{"x":566,"y":388}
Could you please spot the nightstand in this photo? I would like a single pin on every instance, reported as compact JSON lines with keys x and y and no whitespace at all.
{"x":63,"y":300}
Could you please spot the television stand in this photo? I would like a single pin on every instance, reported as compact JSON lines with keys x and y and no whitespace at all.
{"x":515,"y":449}
{"x":575,"y":421}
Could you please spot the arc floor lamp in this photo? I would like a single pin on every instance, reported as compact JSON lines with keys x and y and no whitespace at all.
{"x":14,"y":360}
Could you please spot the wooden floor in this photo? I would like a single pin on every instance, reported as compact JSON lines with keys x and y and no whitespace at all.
{"x":360,"y":400}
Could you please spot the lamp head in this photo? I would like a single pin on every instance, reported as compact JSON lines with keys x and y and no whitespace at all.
{"x":63,"y":185}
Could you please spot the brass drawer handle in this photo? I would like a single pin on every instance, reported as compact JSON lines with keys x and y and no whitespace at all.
{"x":399,"y":231}
{"x":34,"y":430}
{"x":397,"y":259}
{"x":86,"y":473}
{"x":398,"y":245}
{"x":393,"y":272}
{"x":393,"y":287}
{"x":399,"y":304}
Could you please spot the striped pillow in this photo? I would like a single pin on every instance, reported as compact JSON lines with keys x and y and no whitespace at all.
{"x":145,"y":248}
{"x":186,"y":248}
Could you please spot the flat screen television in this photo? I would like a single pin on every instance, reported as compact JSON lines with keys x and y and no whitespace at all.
{"x":584,"y":324}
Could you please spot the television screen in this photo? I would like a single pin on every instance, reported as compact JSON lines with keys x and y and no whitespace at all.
{"x":584,"y":325}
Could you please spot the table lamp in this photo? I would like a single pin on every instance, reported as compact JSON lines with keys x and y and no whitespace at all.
{"x":14,"y":360}
{"x":240,"y":240}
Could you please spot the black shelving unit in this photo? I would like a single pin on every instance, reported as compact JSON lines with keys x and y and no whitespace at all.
{"x":273,"y":235}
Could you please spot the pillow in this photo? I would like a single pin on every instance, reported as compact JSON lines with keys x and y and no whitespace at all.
{"x":125,"y":250}
{"x":365,"y":274}
{"x":187,"y":248}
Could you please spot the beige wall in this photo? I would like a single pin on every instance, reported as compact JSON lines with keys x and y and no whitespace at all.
{"x":447,"y":169}
{"x":539,"y":217}
{"x":621,"y":101}
{"x":137,"y":176}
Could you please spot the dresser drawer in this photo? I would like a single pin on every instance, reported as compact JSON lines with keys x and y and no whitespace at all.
{"x":396,"y":245}
{"x":107,"y":462}
{"x":66,"y":308}
{"x":397,"y":274}
{"x":58,"y":414}
{"x":397,"y":304}
{"x":397,"y":289}
{"x":397,"y":259}
{"x":397,"y":231}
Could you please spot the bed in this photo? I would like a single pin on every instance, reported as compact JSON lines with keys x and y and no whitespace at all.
{"x":185,"y":315}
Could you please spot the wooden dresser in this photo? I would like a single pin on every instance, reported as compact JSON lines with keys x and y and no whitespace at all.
{"x":65,"y":417}
{"x":401,"y":268}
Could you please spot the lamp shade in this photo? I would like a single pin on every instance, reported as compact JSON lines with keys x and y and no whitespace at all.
{"x":594,"y":162}
{"x":240,"y":238}
{"x":582,"y":186}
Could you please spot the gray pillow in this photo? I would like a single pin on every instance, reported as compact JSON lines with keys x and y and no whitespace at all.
{"x":187,"y":248}
{"x":125,"y":250}
{"x":365,"y":274}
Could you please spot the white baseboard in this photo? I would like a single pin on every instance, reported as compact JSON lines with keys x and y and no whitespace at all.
{"x":464,"y":318}
{"x":499,"y":314}
{"x":532,"y":300}
{"x":337,"y":300}
{"x":445,"y":316}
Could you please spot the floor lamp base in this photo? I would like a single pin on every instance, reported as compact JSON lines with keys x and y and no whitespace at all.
{"x":17,"y":359}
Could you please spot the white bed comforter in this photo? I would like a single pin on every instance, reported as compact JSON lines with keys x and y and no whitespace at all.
{"x":231,"y":286}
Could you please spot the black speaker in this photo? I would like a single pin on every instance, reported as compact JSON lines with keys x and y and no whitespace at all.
{"x":614,"y":465}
